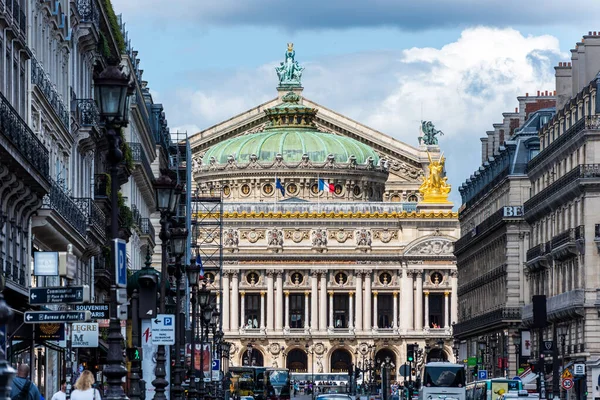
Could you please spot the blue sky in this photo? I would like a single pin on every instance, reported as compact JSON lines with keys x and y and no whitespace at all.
{"x":385,"y":63}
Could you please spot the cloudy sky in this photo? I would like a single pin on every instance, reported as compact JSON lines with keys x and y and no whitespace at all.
{"x":385,"y":63}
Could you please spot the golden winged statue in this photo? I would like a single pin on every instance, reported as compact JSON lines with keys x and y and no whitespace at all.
{"x":435,"y":188}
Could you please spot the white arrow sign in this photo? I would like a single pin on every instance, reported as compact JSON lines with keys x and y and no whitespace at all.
{"x":33,"y":296}
{"x":29,"y":317}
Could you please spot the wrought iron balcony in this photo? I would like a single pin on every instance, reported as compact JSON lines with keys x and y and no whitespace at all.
{"x":500,"y":316}
{"x":43,"y":82}
{"x":147,"y":229}
{"x":89,"y":13}
{"x":87,"y":112}
{"x":563,"y":306}
{"x":139,"y":157}
{"x":66,"y":207}
{"x":96,"y":217}
{"x":14,"y":271}
{"x":568,"y":243}
{"x":18,"y":133}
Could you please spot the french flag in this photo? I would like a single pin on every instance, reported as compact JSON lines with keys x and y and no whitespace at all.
{"x":199,"y":262}
{"x":327,"y":187}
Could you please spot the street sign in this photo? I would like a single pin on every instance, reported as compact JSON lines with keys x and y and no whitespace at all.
{"x":48,"y":317}
{"x":59,"y":295}
{"x":99,"y":311}
{"x":405,"y":370}
{"x":579,"y":369}
{"x":516,"y":378}
{"x":120,"y":254}
{"x":567,"y":384}
{"x":85,"y":335}
{"x":163,"y":329}
{"x":45,"y":263}
{"x":216,"y":369}
{"x":548,"y":346}
{"x":67,"y":264}
{"x":482,"y":374}
{"x":567,"y":374}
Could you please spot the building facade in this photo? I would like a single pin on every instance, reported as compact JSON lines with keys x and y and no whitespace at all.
{"x":562,"y":249}
{"x":331,"y":256}
{"x":490,"y":252}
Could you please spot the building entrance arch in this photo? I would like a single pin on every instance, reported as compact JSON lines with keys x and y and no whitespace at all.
{"x":436,"y":354}
{"x":296,"y":361}
{"x":256,"y":358}
{"x":341,"y":360}
{"x":381,"y":357}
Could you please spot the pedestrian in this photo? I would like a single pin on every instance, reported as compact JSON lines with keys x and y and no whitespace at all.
{"x":62,"y":393}
{"x":83,"y":387}
{"x":22,"y":387}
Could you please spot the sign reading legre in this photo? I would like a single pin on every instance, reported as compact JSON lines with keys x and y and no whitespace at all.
{"x":85,"y":335}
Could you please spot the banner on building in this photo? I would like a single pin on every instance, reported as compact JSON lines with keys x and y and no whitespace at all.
{"x":149,"y":360}
{"x":525,"y":343}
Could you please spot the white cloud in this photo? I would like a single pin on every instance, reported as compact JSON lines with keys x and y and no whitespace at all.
{"x":462,"y":87}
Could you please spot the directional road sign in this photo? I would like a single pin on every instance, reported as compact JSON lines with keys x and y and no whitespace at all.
{"x":567,"y":384}
{"x":482,"y":374}
{"x":59,"y":295}
{"x":48,"y":317}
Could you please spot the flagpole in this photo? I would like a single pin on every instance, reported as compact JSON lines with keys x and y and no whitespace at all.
{"x":318,"y":193}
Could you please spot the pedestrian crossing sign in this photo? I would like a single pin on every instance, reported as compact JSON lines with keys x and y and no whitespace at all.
{"x":567,"y":374}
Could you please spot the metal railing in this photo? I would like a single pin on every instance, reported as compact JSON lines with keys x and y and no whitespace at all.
{"x":43,"y":82}
{"x":139,"y":156}
{"x":147,"y":228}
{"x":22,"y":137}
{"x":64,"y":205}
{"x":537,"y":251}
{"x":500,"y":315}
{"x":88,"y":11}
{"x":95,"y":215}
{"x":87,"y":112}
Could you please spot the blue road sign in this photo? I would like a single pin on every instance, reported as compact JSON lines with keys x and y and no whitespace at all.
{"x":216,"y":365}
{"x":516,"y":378}
{"x":482,"y":374}
{"x":120,"y":259}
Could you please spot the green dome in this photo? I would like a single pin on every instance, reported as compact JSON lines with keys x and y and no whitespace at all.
{"x":291,"y":133}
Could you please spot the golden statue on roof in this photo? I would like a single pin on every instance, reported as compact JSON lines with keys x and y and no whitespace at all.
{"x":435,"y":188}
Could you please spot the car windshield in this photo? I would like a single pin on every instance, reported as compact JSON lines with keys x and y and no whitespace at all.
{"x":445,"y":376}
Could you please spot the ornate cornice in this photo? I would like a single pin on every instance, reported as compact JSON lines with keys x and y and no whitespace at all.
{"x":332,"y":215}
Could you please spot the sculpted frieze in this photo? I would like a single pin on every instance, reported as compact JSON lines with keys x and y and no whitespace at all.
{"x":296,"y":235}
{"x":341,"y":235}
{"x":385,"y":235}
{"x":253,"y":235}
{"x":432,"y":247}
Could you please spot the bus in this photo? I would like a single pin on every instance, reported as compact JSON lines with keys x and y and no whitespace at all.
{"x":262,"y":383}
{"x":442,"y":381}
{"x":492,"y":389}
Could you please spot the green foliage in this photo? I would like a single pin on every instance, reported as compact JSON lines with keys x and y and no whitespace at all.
{"x":127,"y":153}
{"x":103,"y":46}
{"x":114,"y":25}
{"x":108,"y":184}
{"x":125,"y":213}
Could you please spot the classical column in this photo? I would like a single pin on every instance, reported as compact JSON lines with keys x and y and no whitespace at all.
{"x":262,"y":311}
{"x":395,"y":319}
{"x":426,"y":293}
{"x":270,"y":300}
{"x":446,"y":310}
{"x":287,"y":310}
{"x":419,"y":302}
{"x":226,"y":306}
{"x":235,"y":321}
{"x":314,"y":301}
{"x":323,"y":303}
{"x":375,"y":322}
{"x":331,"y":309}
{"x":367,"y":314}
{"x":410,"y":301}
{"x":279,"y":303}
{"x":306,"y":305}
{"x":350,"y":310}
{"x":243,"y":308}
{"x":454,"y":298}
{"x":359,"y":301}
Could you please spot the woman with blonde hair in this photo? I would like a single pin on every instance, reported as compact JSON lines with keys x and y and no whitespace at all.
{"x":83,"y":388}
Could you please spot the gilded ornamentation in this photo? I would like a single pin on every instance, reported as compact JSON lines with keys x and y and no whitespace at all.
{"x":296,"y":235}
{"x":435,"y":188}
{"x":245,"y":189}
{"x":268,"y":189}
{"x":253,"y":235}
{"x":341,"y":235}
{"x":436,"y":278}
{"x":226,"y":191}
{"x":336,"y":215}
{"x":290,"y":72}
{"x":297,"y":278}
{"x":292,"y":188}
{"x":385,"y":235}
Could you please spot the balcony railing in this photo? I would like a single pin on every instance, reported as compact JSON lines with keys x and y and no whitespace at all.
{"x":87,"y":112}
{"x":88,"y":10}
{"x":139,"y":156}
{"x":43,"y":82}
{"x":148,"y":229}
{"x":96,"y":217}
{"x":22,"y":137}
{"x":538,"y":250}
{"x":485,"y":321}
{"x":64,"y":205}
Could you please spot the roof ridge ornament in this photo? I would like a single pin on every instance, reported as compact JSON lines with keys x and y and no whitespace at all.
{"x":289,"y":71}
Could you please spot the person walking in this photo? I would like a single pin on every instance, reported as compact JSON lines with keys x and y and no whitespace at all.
{"x":83,"y":388}
{"x":62,"y":393}
{"x":22,"y":387}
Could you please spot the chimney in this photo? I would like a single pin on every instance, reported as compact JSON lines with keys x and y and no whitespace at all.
{"x":592,"y":59}
{"x":574,"y":73}
{"x":564,"y":82}
{"x":538,"y":93}
{"x":516,"y":110}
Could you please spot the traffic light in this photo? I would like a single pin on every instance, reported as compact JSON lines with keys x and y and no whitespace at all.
{"x":134,"y":354}
{"x":410,"y":352}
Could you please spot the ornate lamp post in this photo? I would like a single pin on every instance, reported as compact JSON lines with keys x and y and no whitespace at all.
{"x":482,"y":349}
{"x":206,"y":314}
{"x":111,"y":91}
{"x":226,"y":349}
{"x":249,"y":349}
{"x":494,"y":347}
{"x":7,"y":373}
{"x":178,"y":241}
{"x":386,"y":366}
{"x":517,"y":343}
{"x":193,"y":272}
{"x":167,"y":198}
{"x":310,"y":352}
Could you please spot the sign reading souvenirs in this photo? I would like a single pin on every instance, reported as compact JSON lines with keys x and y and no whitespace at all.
{"x":59,"y":295}
{"x":99,"y":311}
{"x":85,"y":335}
{"x":45,"y":317}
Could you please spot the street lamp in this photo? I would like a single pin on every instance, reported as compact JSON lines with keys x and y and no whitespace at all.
{"x":206,"y":315}
{"x":494,"y":346}
{"x":167,"y":194}
{"x":517,"y":343}
{"x":482,"y":347}
{"x":7,"y":373}
{"x":249,"y":349}
{"x":178,"y":246}
{"x":111,"y":91}
{"x":193,"y":271}
{"x":386,"y":367}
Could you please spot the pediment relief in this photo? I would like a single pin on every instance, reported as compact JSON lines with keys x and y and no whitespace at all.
{"x":431,"y":246}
